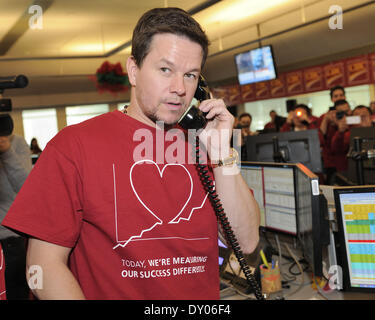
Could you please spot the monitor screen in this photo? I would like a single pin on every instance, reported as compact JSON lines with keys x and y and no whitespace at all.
{"x":367,"y":135}
{"x":255,"y":65}
{"x":355,"y":211}
{"x":273,"y":186}
{"x":313,"y":227}
{"x":295,"y":147}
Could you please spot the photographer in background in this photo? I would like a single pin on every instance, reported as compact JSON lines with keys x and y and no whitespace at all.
{"x":299,"y":119}
{"x":340,"y":142}
{"x":328,"y":129}
{"x":15,"y":165}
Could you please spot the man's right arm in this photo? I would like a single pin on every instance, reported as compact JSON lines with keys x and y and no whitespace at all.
{"x":58,"y":281}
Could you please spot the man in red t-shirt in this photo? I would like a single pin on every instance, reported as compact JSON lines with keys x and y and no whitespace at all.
{"x":117,"y":213}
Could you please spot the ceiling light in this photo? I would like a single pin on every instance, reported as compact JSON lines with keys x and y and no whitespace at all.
{"x":234,"y":10}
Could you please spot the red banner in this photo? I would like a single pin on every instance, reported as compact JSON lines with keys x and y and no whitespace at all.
{"x":278,"y":87}
{"x":349,"y":72}
{"x":233,"y":95}
{"x":219,"y":93}
{"x":248,"y":92}
{"x":358,"y":70}
{"x":334,"y":74}
{"x":294,"y":82}
{"x":313,"y":79}
{"x":262,"y":90}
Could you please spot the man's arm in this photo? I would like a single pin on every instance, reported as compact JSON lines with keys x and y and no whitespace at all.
{"x":58,"y":281}
{"x":238,"y":202}
{"x":15,"y":157}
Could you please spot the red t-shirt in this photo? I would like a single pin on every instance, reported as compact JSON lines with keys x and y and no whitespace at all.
{"x":138,"y":229}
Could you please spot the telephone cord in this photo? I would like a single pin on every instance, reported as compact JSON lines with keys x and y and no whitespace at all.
{"x":228,"y":232}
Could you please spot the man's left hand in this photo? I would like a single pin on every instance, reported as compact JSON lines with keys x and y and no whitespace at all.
{"x":218,"y":131}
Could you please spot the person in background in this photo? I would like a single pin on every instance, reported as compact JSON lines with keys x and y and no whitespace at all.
{"x":299,"y":119}
{"x":34,"y":147}
{"x":336,"y":93}
{"x":372,"y":108}
{"x":15,"y":165}
{"x":275,"y":124}
{"x":244,"y":123}
{"x":272,"y":124}
{"x":35,"y":150}
{"x":327,"y":128}
{"x":341,"y":139}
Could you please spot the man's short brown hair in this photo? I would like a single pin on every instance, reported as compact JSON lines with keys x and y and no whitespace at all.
{"x":166,"y":20}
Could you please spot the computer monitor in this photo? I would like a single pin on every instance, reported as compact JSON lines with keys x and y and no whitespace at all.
{"x":313,"y":225}
{"x":289,"y":199}
{"x":294,"y":146}
{"x":273,"y":186}
{"x":367,"y":135}
{"x":255,"y":65}
{"x":355,"y":212}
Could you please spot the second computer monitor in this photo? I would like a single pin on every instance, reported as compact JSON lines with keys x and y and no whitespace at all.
{"x":295,"y":147}
{"x":355,"y":212}
{"x":273,"y":186}
{"x":289,"y":200}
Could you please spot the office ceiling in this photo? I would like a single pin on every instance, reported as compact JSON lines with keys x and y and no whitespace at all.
{"x":71,"y":38}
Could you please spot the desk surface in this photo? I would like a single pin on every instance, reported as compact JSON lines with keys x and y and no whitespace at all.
{"x":298,"y":291}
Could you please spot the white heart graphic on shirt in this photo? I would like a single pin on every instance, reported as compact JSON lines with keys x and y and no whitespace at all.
{"x":175,"y":219}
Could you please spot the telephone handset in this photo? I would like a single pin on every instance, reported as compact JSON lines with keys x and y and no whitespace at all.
{"x":194,"y":118}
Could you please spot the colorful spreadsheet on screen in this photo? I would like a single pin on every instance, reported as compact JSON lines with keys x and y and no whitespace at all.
{"x":358,"y":211}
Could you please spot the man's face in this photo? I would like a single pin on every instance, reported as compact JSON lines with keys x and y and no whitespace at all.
{"x":338,"y":94}
{"x":273,"y":115}
{"x":166,"y":82}
{"x":245,"y":122}
{"x":365,"y":117}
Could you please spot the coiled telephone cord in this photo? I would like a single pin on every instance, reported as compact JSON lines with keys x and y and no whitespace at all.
{"x":221,"y":216}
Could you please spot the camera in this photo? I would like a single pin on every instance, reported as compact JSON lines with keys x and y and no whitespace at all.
{"x":13,"y":82}
{"x":5,"y":105}
{"x":241,"y":126}
{"x":6,"y":125}
{"x":340,"y":115}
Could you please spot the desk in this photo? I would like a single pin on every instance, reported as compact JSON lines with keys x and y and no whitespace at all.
{"x":298,"y":291}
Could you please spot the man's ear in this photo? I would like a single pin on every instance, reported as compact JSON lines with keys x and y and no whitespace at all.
{"x":132,"y":69}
